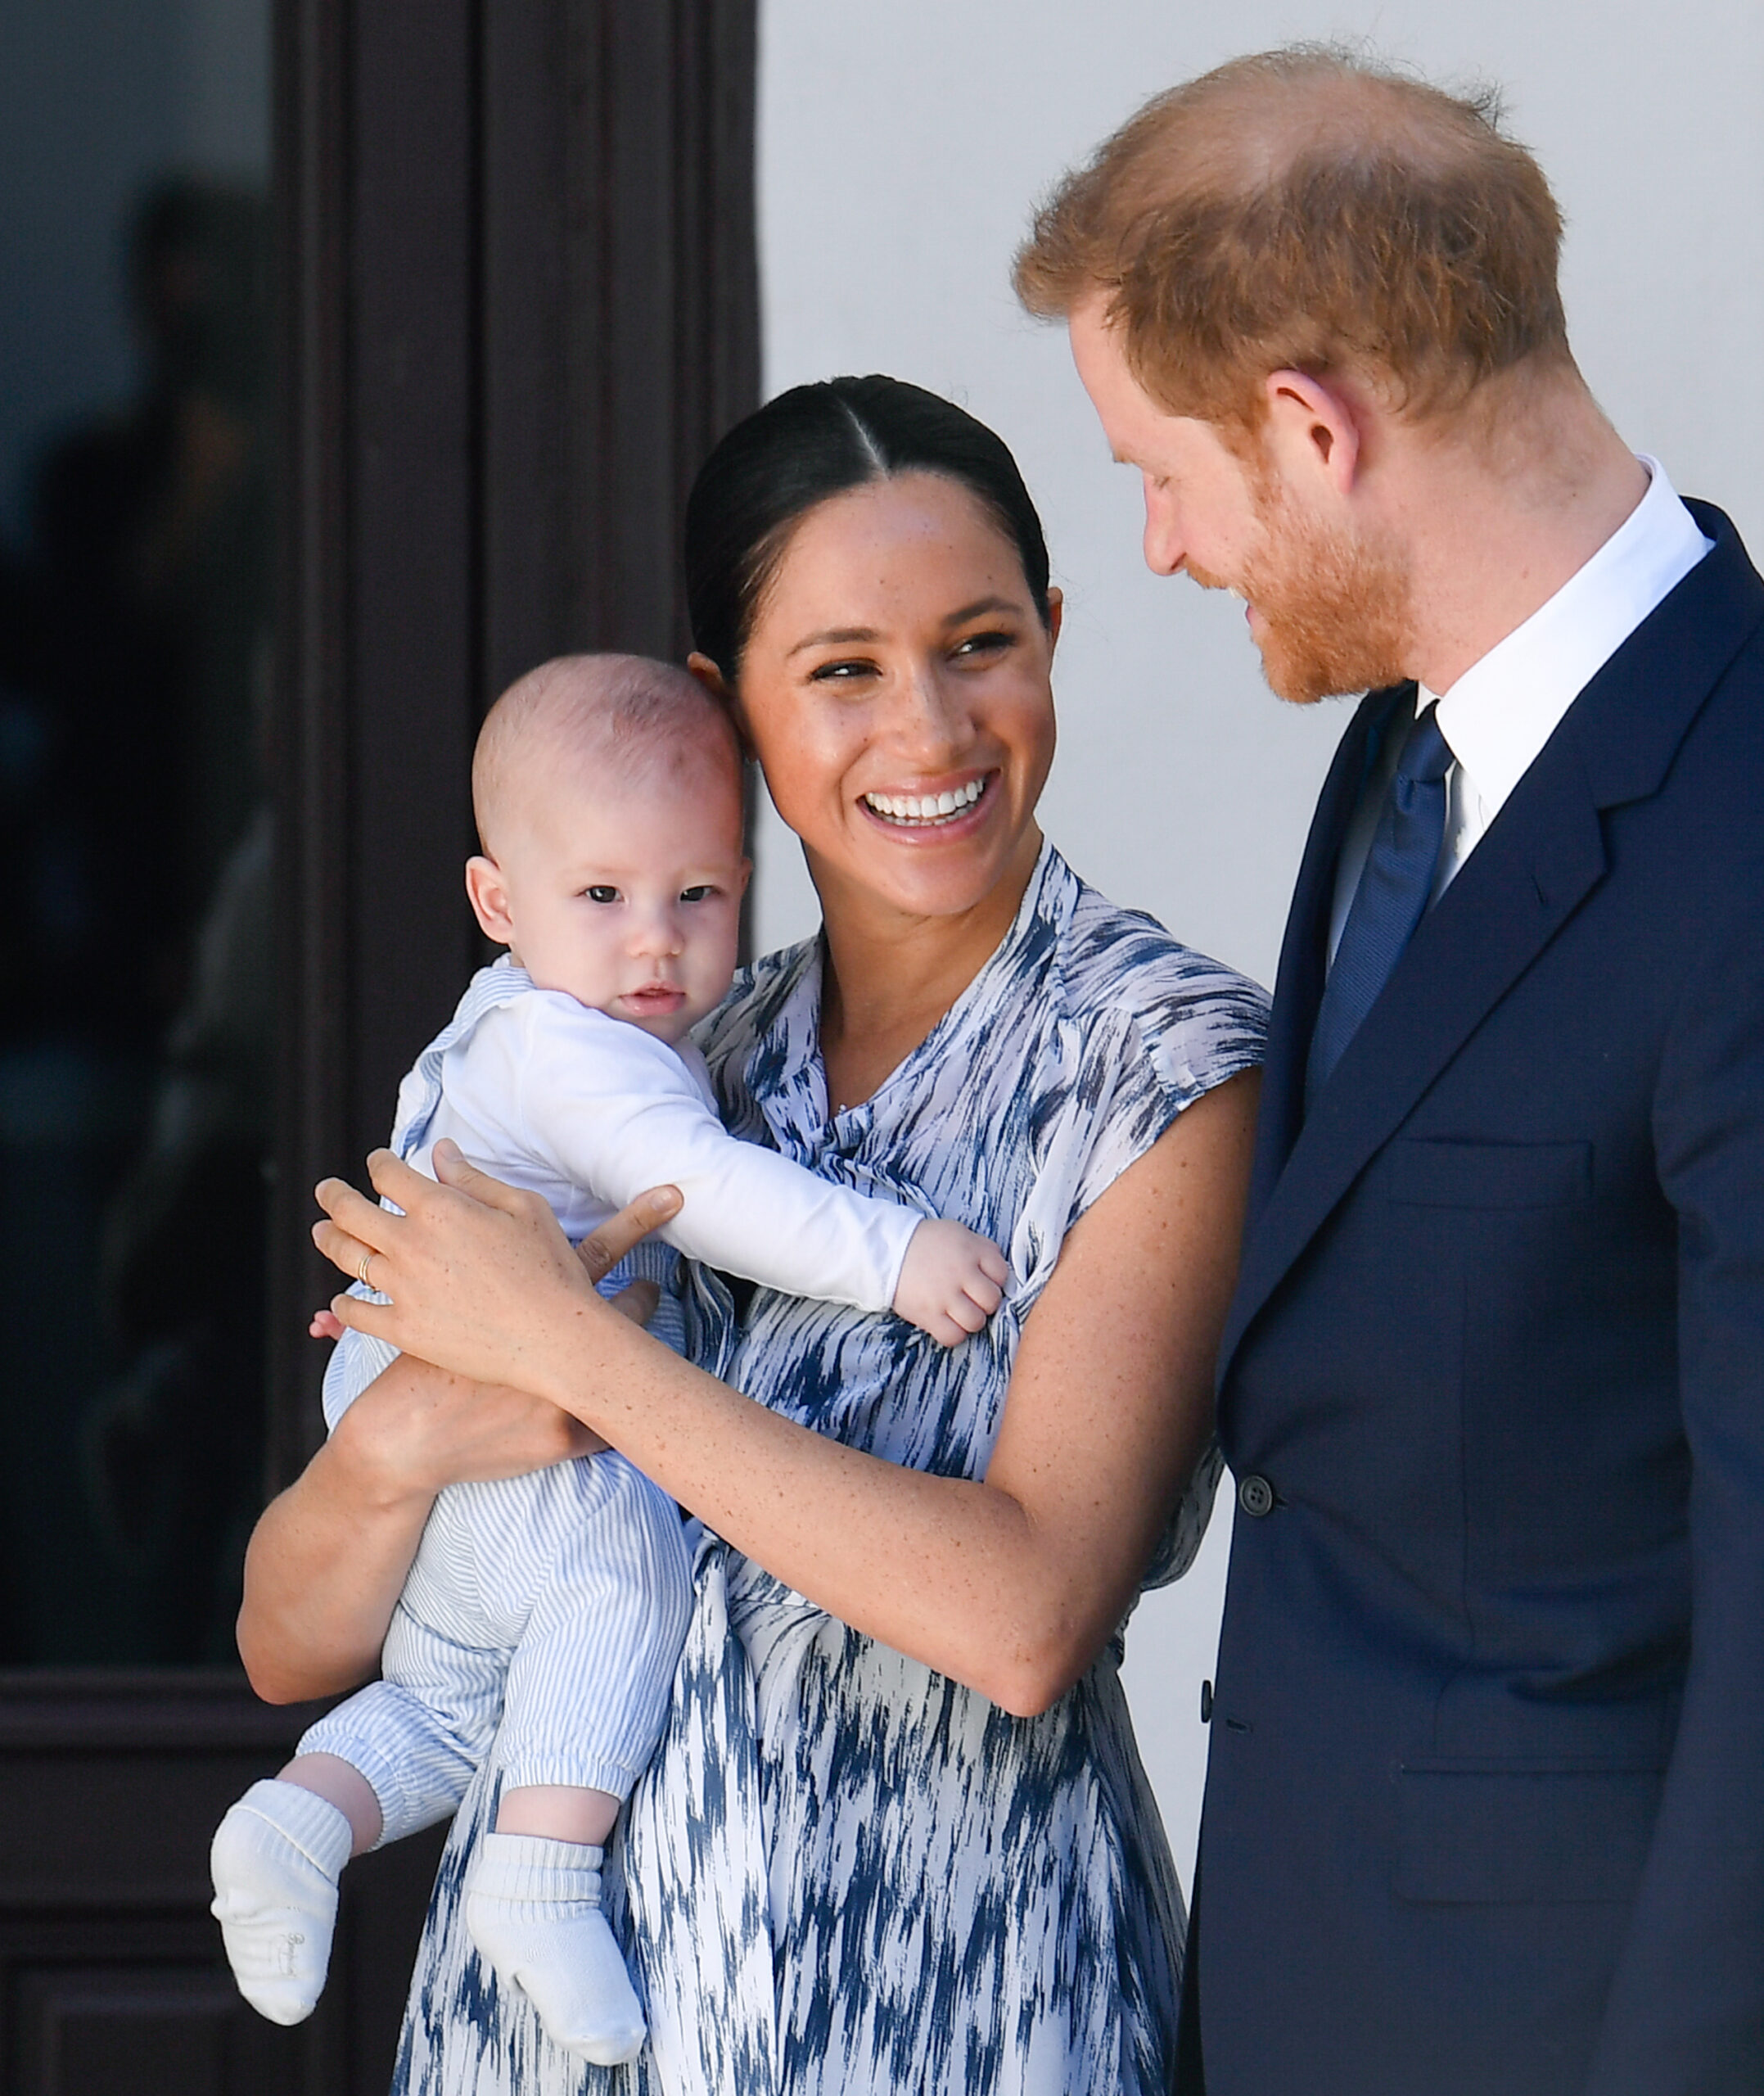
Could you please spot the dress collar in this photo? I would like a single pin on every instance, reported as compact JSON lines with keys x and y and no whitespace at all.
{"x":784,"y":1074}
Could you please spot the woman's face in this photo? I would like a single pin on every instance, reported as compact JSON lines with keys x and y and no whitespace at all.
{"x":895,"y":689}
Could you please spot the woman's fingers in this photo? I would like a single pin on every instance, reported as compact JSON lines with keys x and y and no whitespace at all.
{"x":345,"y":1252}
{"x":602,"y":1249}
{"x":454,"y":1169}
{"x":352,"y":1212}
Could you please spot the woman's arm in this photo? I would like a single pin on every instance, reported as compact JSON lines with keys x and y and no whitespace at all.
{"x":1010,"y":1585}
{"x":328,"y":1558}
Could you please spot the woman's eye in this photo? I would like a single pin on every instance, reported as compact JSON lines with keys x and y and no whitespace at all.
{"x":831,"y":673}
{"x":979,"y":644}
{"x":600,"y":893}
{"x":703,"y":893}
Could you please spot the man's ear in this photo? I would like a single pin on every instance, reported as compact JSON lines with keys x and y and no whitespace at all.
{"x":487,"y":894}
{"x":1313,"y":429}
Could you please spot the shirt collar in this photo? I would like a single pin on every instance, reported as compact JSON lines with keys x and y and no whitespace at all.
{"x":1501,"y":711}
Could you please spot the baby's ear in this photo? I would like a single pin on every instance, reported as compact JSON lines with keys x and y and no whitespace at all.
{"x":487,"y":894}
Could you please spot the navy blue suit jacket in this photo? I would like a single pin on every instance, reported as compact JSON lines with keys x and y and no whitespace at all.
{"x":1484,"y":1808}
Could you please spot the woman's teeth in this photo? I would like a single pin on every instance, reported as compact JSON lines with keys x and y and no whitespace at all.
{"x":926,"y":807}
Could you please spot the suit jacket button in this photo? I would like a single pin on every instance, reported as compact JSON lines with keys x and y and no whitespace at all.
{"x":1206,"y":1702}
{"x":1255,"y":1495}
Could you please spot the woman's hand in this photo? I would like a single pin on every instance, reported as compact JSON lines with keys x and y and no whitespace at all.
{"x":482,"y":1280}
{"x":329,"y":1556}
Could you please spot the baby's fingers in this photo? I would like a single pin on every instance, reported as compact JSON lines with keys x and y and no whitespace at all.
{"x":995,"y":1266}
{"x":984,"y":1293}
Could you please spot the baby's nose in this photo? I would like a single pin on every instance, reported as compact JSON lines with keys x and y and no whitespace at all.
{"x":657,"y":932}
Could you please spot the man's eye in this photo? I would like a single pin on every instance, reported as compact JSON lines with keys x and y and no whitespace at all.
{"x":601,"y":893}
{"x":703,"y":893}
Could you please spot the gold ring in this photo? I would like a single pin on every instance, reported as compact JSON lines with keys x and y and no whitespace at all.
{"x":361,"y":1270}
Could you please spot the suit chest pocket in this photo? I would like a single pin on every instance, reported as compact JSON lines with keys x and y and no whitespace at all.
{"x":1430,"y":1173}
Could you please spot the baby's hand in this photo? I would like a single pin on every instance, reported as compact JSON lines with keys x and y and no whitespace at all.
{"x":951,"y":1281}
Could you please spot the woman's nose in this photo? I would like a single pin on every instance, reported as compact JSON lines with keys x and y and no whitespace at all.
{"x":935,"y":713}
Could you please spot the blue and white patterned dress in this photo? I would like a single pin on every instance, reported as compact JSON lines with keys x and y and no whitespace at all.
{"x":844,"y":1872}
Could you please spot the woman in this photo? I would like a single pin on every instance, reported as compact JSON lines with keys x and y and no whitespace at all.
{"x":897,"y":1834}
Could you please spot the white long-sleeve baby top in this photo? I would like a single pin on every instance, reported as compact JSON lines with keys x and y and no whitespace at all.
{"x":589,"y":1111}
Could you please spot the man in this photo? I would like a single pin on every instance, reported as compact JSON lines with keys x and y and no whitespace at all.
{"x":1485,"y":1810}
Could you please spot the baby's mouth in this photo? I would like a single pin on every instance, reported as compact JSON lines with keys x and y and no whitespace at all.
{"x":656,"y":997}
{"x":929,"y":810}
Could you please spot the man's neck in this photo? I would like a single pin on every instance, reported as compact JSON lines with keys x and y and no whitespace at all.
{"x":1499,"y":528}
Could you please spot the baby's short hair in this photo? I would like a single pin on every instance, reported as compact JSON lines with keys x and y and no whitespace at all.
{"x":623,"y":718}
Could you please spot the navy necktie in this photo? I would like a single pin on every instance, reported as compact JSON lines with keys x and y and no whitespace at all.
{"x":1391,"y":900}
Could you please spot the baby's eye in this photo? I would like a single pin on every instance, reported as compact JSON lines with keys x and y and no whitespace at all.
{"x":703,"y":893}
{"x":601,"y":893}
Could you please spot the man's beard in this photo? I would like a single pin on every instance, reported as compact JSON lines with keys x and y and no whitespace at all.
{"x":1332,"y":612}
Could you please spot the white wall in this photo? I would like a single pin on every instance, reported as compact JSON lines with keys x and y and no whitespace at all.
{"x":902,"y":142}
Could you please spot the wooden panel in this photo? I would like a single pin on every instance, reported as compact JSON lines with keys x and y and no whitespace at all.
{"x":112,"y":1976}
{"x":127,"y":2030}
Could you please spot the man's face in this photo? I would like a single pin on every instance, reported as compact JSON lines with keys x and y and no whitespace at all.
{"x":1327,"y":607}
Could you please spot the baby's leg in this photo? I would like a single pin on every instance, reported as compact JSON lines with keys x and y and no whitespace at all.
{"x":276,"y":1860}
{"x":396,"y":1757}
{"x":587,"y":1696}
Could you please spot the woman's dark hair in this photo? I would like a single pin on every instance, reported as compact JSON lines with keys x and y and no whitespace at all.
{"x":819,"y":441}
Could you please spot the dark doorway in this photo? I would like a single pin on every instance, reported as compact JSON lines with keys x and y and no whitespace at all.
{"x":474,"y":311}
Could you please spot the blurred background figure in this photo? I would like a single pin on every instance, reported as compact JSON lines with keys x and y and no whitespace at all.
{"x":136,"y":984}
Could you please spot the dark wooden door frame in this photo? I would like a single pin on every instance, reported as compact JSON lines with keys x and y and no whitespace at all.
{"x":517,"y":239}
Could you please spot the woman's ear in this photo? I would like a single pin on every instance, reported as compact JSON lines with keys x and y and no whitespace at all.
{"x":1056,"y":615}
{"x":707,"y":673}
{"x":487,"y":894}
{"x":712,"y":679}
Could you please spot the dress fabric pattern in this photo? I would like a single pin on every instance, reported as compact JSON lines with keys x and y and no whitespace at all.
{"x":842,"y":1871}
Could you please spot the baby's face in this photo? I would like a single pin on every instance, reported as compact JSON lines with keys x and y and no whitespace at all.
{"x":627,"y":897}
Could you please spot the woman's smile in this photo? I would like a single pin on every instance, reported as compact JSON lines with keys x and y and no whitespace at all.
{"x":933,"y":805}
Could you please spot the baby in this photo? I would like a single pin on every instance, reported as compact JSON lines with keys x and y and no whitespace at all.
{"x":543,"y":1619}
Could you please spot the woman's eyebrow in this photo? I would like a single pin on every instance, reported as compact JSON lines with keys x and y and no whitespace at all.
{"x":979,"y":607}
{"x":842,"y":636}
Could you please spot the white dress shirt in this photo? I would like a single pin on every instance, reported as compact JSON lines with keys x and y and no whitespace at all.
{"x":1501,"y":711}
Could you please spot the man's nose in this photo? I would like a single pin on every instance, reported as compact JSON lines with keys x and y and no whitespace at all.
{"x":1164,"y":543}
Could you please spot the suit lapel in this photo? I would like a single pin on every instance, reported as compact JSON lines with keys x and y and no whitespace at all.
{"x":1540,"y":857}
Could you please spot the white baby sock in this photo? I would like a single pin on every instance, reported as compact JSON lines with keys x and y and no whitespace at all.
{"x":533,"y":1909}
{"x":276,"y":1861}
